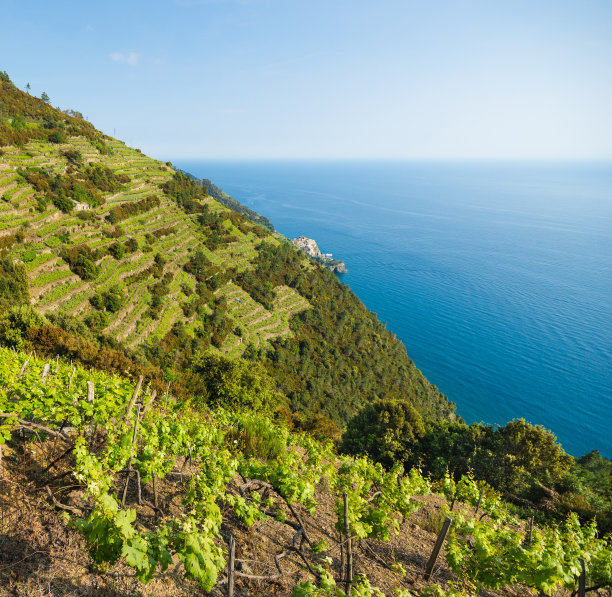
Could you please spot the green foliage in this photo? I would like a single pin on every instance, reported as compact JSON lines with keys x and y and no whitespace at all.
{"x":74,"y":157}
{"x":16,"y":103}
{"x":510,"y":458}
{"x":97,"y":320}
{"x":110,"y":300}
{"x":15,"y":323}
{"x":234,"y":383}
{"x":18,"y":123}
{"x":13,"y":284}
{"x":485,"y":553}
{"x":210,"y":189}
{"x":82,"y":261}
{"x":257,"y":437}
{"x":187,"y":194}
{"x":28,"y":256}
{"x":8,"y":240}
{"x":132,"y":208}
{"x":57,"y":137}
{"x":385,"y":430}
{"x":340,"y":357}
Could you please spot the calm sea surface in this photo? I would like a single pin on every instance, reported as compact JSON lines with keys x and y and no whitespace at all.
{"x":497,"y":277}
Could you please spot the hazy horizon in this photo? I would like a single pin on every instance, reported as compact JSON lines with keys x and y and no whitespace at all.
{"x":277,"y":79}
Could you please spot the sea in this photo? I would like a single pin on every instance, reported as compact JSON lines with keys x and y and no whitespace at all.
{"x":496,"y":276}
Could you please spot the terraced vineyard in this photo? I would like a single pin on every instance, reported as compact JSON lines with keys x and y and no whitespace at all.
{"x":165,"y":230}
{"x":124,"y":252}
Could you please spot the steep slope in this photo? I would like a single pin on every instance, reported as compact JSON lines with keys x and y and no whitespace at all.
{"x":142,"y":254}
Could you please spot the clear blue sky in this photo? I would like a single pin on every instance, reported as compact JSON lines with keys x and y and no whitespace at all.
{"x":325,"y":79}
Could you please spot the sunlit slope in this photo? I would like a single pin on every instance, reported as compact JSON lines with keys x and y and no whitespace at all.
{"x":165,"y":230}
{"x":145,"y":257}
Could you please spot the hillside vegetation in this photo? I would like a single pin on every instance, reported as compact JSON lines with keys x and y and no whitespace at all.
{"x":153,"y":490}
{"x":173,"y":372}
{"x":153,"y":265}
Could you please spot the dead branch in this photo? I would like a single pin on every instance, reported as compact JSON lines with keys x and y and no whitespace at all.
{"x":61,"y":506}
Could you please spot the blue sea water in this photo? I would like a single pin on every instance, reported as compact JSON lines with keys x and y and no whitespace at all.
{"x":497,"y":277}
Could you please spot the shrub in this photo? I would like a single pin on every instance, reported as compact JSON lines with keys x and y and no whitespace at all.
{"x":81,"y":260}
{"x":57,"y":137}
{"x":257,"y":437}
{"x":28,"y":256}
{"x":15,"y":323}
{"x":234,"y":383}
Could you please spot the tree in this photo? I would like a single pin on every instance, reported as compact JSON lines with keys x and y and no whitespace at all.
{"x":44,"y":97}
{"x":13,"y":284}
{"x":386,"y":430}
{"x":534,"y":449}
{"x":28,"y":88}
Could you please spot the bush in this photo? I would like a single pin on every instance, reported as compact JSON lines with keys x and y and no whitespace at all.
{"x":97,"y":321}
{"x":28,"y":256}
{"x":257,"y":437}
{"x":81,"y":260}
{"x":57,"y":137}
{"x":13,"y":284}
{"x":110,"y":300}
{"x":234,"y":384}
{"x":15,"y":323}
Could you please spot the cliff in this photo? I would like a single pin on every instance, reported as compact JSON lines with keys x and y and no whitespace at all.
{"x":310,"y":247}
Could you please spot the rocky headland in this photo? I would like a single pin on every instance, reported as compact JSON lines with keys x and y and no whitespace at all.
{"x":310,"y":247}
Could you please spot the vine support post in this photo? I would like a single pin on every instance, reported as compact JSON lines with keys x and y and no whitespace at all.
{"x":582,"y":580}
{"x":45,"y":372}
{"x":230,"y":567}
{"x":23,"y":367}
{"x":529,"y":532}
{"x":90,"y":399}
{"x":90,"y":392}
{"x":478,"y":504}
{"x":129,"y":466}
{"x":134,"y":395}
{"x":342,"y":555}
{"x":349,"y":547}
{"x":155,"y":500}
{"x":437,"y":547}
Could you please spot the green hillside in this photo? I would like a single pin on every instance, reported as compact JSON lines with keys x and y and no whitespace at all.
{"x":149,"y":263}
{"x":118,"y":490}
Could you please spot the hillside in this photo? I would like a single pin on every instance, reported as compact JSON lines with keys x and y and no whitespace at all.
{"x":154,"y":266}
{"x":113,"y":489}
{"x":174,"y":375}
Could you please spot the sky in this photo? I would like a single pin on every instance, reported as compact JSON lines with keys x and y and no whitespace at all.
{"x":331,"y":79}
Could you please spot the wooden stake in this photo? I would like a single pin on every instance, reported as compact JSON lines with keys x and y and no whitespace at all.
{"x":437,"y":547}
{"x":129,"y":466}
{"x":342,"y":556}
{"x":45,"y":372}
{"x":230,"y":567}
{"x":155,"y":490}
{"x":349,"y":547}
{"x":90,"y":391}
{"x":529,"y":536}
{"x":582,"y":580}
{"x":478,"y":504}
{"x":23,"y":367}
{"x":134,"y":396}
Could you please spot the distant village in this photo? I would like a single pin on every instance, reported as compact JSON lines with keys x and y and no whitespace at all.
{"x":310,"y":247}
